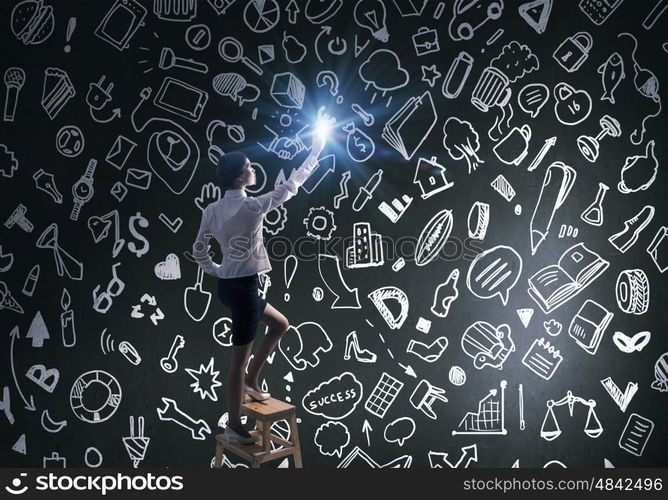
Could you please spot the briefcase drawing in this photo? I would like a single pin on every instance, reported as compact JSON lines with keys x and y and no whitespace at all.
{"x":425,"y":41}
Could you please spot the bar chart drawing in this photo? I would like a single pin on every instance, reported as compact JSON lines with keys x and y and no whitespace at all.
{"x":489,"y":419}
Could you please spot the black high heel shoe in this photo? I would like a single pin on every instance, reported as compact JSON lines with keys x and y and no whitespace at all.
{"x":231,"y":436}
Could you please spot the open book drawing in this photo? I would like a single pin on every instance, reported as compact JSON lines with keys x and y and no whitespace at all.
{"x":554,"y":285}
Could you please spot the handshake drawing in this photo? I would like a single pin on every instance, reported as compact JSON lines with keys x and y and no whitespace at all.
{"x":286,"y":147}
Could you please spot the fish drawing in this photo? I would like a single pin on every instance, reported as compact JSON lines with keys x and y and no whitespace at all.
{"x":613,"y":73}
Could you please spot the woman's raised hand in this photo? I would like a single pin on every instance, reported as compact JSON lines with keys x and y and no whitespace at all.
{"x":323,"y":123}
{"x":325,"y":117}
{"x":318,"y":143}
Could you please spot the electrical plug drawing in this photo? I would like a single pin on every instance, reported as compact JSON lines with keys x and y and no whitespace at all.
{"x":97,"y":96}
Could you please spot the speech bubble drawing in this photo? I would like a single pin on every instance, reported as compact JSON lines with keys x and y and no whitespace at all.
{"x":399,"y":430}
{"x":335,"y":398}
{"x":533,"y":97}
{"x":235,"y":86}
{"x":331,"y":438}
{"x":494,"y":272}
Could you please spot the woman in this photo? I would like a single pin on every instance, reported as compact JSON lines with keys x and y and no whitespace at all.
{"x":236,"y":222}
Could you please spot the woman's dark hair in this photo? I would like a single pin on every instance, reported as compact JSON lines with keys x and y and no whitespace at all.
{"x":230,"y":166}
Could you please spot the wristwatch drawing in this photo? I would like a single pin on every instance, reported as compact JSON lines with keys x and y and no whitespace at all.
{"x":82,"y":190}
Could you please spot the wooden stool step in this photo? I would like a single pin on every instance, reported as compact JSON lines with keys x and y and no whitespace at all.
{"x":268,"y":410}
{"x":265,"y":413}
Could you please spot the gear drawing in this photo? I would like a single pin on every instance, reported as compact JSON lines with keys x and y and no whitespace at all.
{"x":320,"y":223}
{"x":274,"y":221}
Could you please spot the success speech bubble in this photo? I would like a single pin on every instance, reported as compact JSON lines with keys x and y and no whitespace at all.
{"x":335,"y":398}
{"x":494,"y":272}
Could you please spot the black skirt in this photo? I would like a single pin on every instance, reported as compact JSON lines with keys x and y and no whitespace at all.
{"x":241,"y":296}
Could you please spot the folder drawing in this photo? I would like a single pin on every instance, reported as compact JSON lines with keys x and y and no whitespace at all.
{"x":407,"y":129}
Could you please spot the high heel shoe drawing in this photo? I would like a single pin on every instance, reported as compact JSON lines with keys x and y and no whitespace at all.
{"x":231,"y":436}
{"x":256,"y":395}
{"x":361,"y":355}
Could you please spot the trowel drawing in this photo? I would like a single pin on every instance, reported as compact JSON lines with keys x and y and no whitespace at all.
{"x":195,"y":300}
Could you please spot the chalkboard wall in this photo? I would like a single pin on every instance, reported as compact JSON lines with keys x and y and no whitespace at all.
{"x":473,"y":274}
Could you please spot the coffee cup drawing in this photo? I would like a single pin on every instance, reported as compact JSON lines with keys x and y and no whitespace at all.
{"x":513,"y":148}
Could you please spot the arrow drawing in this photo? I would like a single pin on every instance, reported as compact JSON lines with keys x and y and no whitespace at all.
{"x":541,"y":154}
{"x":409,"y":370}
{"x":14,"y":334}
{"x":469,"y":454}
{"x":325,"y":165}
{"x":366,"y":428}
{"x":292,"y":9}
{"x":343,"y":185}
{"x":346,"y":297}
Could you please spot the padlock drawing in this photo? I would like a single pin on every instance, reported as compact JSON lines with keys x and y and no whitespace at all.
{"x":573,"y":51}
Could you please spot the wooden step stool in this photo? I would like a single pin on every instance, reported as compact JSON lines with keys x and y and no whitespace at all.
{"x":265,"y":414}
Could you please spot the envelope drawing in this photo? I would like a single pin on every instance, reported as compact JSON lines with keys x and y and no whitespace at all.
{"x":120,"y":151}
{"x":140,"y":179}
{"x":119,"y":191}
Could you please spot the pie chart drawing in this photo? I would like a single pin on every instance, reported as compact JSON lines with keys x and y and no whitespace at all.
{"x":262,"y":15}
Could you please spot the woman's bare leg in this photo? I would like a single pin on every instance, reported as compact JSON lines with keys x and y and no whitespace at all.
{"x":278,"y":325}
{"x":235,"y":388}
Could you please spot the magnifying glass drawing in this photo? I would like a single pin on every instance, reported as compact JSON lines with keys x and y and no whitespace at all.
{"x":230,"y":50}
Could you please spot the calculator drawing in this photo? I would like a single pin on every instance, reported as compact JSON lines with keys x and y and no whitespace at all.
{"x":383,"y":395}
{"x":599,"y":10}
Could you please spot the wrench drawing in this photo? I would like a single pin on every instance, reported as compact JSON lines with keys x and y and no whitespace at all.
{"x":171,"y":411}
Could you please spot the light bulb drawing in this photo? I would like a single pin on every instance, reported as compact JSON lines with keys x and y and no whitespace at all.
{"x":370,"y":14}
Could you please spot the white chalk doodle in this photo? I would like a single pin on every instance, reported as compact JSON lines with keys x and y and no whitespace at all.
{"x":550,"y":429}
{"x":574,"y":51}
{"x":425,"y":395}
{"x":433,"y":237}
{"x":467,"y":17}
{"x":489,"y":418}
{"x":379,"y":298}
{"x":494,"y":272}
{"x":633,"y":343}
{"x":488,"y":345}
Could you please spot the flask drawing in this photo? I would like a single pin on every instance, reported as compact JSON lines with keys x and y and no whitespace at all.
{"x":593,"y":214}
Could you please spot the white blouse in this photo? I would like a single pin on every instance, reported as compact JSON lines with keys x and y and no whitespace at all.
{"x":236,"y":222}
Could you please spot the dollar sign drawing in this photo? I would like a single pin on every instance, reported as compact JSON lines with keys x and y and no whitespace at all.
{"x":359,"y":145}
{"x":142,"y":222}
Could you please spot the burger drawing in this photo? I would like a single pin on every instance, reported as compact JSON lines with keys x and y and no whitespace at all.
{"x":32,"y":21}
